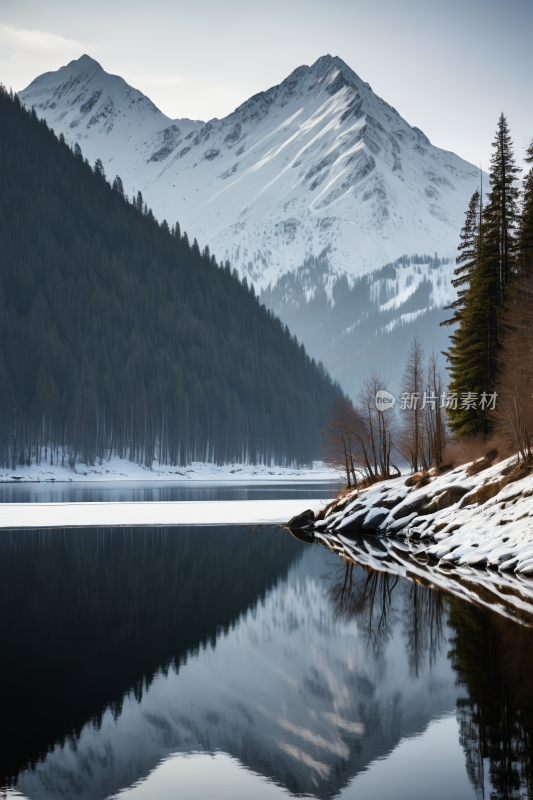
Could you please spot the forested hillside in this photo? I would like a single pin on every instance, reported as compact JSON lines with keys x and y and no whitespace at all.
{"x":119,"y":337}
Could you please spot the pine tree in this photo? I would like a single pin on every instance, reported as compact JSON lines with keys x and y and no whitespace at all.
{"x":471,"y":353}
{"x":99,"y":168}
{"x":501,"y":212}
{"x":466,"y":260}
{"x":118,"y":186}
{"x":525,"y":231}
{"x":488,"y":265}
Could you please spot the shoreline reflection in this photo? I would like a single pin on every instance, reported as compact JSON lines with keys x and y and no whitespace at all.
{"x":127,"y":646}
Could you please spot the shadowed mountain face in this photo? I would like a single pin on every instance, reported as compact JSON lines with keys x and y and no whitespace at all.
{"x":125,"y":646}
{"x":307,"y":188}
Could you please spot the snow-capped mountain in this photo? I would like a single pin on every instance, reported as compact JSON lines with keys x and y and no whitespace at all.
{"x":307,"y":188}
{"x":101,"y":112}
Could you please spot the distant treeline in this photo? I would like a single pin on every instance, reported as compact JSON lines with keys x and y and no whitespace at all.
{"x":119,"y":337}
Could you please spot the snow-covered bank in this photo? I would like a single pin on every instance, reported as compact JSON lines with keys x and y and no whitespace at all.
{"x":122,"y":469}
{"x":509,"y":595}
{"x":473,"y":516}
{"x":84,"y":515}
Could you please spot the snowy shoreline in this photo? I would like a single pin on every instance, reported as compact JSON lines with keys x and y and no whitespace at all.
{"x":122,"y":470}
{"x":474,"y":516}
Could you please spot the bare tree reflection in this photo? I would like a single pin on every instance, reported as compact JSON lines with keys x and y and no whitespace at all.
{"x":369,"y":598}
{"x":423,"y":626}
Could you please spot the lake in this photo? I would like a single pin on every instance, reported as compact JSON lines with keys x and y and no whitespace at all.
{"x":161,"y":491}
{"x":239,"y":662}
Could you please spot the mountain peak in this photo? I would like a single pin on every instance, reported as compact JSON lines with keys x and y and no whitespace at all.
{"x":314,"y":180}
{"x":83,"y":62}
{"x":84,"y":100}
{"x":326,"y":63}
{"x":81,"y":65}
{"x":329,"y":73}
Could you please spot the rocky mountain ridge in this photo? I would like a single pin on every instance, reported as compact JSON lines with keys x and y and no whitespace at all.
{"x":317,"y":168}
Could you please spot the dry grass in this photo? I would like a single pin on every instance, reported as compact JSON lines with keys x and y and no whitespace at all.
{"x":475,"y":448}
{"x":510,"y":474}
{"x":471,"y":448}
{"x":344,"y":497}
{"x":419,"y":479}
{"x":343,"y":493}
{"x":483,"y":493}
{"x":412,"y":480}
{"x":423,"y":480}
{"x":367,"y":482}
{"x":515,"y":472}
{"x":483,"y":463}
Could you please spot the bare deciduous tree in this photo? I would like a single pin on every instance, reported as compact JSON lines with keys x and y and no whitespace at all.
{"x":412,"y":439}
{"x":376,"y":439}
{"x":434,"y":420}
{"x":336,"y":439}
{"x":358,"y":440}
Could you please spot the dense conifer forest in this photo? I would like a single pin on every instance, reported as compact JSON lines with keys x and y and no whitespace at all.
{"x":490,"y":349}
{"x":118,"y":337}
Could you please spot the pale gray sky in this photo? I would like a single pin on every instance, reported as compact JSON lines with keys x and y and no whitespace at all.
{"x":449,"y":67}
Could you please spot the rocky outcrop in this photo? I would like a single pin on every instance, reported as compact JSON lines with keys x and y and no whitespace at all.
{"x":303,"y":520}
{"x":475,"y":515}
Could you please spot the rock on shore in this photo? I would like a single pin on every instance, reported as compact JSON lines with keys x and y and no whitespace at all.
{"x":475,"y":515}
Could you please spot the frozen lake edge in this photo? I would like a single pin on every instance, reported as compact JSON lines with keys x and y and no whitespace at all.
{"x":148,"y":514}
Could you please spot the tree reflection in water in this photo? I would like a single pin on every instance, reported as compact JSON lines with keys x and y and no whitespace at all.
{"x":423,"y":627}
{"x":493,"y":658}
{"x":379,"y":602}
{"x":491,"y":655}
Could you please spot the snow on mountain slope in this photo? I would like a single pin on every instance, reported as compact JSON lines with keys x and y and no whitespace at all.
{"x":317,"y":170}
{"x":106,"y":116}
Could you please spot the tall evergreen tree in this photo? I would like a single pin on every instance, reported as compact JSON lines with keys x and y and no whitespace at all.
{"x":525,"y":230}
{"x":99,"y":168}
{"x":118,"y":186}
{"x":488,"y":265}
{"x":471,"y":354}
{"x":501,"y":212}
{"x":467,"y":259}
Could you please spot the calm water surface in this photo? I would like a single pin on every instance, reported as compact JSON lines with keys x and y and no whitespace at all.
{"x":239,"y":663}
{"x":156,"y":491}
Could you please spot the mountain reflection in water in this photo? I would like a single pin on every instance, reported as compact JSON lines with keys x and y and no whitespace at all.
{"x":122,"y":647}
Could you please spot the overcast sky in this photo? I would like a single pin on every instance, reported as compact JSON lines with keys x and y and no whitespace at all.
{"x":449,"y":67}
